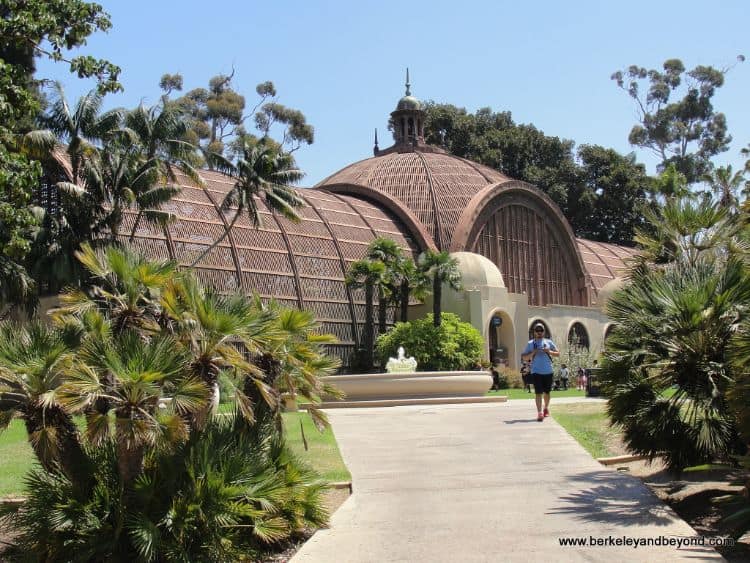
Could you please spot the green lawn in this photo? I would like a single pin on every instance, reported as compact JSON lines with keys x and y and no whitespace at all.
{"x":16,"y":457}
{"x":523,"y":394}
{"x":589,"y":425}
{"x":323,"y":453}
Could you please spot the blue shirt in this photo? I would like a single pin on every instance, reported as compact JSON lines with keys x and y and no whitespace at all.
{"x":541,"y":363}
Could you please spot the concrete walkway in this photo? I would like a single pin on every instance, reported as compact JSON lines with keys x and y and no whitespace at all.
{"x":466,"y":483}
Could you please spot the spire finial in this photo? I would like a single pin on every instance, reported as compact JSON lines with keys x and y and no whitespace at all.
{"x":375,"y":149}
{"x":408,"y":91}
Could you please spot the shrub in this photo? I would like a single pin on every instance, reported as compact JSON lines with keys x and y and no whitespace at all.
{"x":512,"y":378}
{"x":454,"y":345}
{"x":229,"y":493}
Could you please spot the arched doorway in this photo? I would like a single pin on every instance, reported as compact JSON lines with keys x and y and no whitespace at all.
{"x":578,"y":336}
{"x":501,"y":339}
{"x":608,"y":331}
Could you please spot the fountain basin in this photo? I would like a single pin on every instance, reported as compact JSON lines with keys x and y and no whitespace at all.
{"x":417,"y":385}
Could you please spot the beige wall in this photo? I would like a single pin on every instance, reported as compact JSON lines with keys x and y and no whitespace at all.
{"x":478,"y":304}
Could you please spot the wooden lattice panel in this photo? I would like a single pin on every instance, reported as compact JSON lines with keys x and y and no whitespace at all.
{"x":294,"y":263}
{"x":435,"y":187}
{"x":604,"y":262}
{"x":525,"y":248}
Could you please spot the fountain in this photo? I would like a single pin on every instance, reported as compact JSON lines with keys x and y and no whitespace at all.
{"x":402,"y":384}
{"x":401,"y":364}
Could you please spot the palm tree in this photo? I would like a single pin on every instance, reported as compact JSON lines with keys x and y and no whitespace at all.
{"x":368,"y":275}
{"x":81,"y":128}
{"x":132,"y":375}
{"x":302,"y":359}
{"x":126,"y":290}
{"x":441,"y":268}
{"x":410,"y":280}
{"x":725,"y":185}
{"x":159,"y":133}
{"x":672,"y":328}
{"x":390,"y":254}
{"x":33,"y":361}
{"x":683,"y":228}
{"x":217,"y":331}
{"x":263,"y":171}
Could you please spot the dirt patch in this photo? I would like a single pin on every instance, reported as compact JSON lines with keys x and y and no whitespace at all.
{"x":698,"y":498}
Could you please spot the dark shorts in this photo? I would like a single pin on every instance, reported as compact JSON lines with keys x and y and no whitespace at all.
{"x":542,"y":382}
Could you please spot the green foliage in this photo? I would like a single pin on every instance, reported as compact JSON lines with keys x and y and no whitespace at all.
{"x":441,"y":269}
{"x":18,"y":222}
{"x":30,"y":29}
{"x":228,"y":493}
{"x":150,"y":479}
{"x":511,"y":377}
{"x":685,"y":131}
{"x":673,"y":327}
{"x":607,"y":200}
{"x":574,"y":356}
{"x":454,"y":345}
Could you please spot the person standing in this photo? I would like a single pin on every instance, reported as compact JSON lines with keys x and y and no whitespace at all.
{"x":540,"y":351}
{"x":564,"y":376}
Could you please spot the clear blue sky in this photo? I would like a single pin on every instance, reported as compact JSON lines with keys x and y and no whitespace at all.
{"x":342,"y":62}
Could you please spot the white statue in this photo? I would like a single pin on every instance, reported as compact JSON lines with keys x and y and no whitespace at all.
{"x":401,"y":364}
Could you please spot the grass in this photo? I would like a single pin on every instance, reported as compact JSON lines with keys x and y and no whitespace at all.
{"x":17,"y":458}
{"x":323,"y":453}
{"x":523,"y":394}
{"x":589,"y":424}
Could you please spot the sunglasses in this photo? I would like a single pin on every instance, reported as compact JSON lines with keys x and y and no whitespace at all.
{"x":539,"y":331}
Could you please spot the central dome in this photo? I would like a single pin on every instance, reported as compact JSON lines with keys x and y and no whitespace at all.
{"x":409,"y":102}
{"x":436,"y":187}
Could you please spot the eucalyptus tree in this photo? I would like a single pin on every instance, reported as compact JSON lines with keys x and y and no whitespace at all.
{"x":676,"y":117}
{"x":441,"y":268}
{"x":367,"y":274}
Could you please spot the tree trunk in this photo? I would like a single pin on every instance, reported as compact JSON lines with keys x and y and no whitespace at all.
{"x":271,"y":368}
{"x":70,"y":455}
{"x":217,"y":241}
{"x":437,"y":294}
{"x":404,"y":301}
{"x":129,"y":456}
{"x":367,"y":333}
{"x":382,"y":310}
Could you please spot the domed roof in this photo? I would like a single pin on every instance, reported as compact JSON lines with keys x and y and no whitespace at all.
{"x":434,"y":186}
{"x":408,"y":102}
{"x":609,"y":289}
{"x":477,"y":271}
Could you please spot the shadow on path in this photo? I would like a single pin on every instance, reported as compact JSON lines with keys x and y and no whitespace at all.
{"x":612,"y":498}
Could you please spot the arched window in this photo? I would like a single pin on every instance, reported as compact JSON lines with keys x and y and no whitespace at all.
{"x":578,"y":336}
{"x":547,"y":333}
{"x":608,"y":330}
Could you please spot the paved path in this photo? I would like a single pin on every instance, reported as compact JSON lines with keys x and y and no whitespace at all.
{"x":465,"y":483}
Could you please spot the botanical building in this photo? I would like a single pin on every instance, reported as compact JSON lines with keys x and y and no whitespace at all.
{"x":520,"y":261}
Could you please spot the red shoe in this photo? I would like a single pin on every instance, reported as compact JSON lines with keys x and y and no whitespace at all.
{"x":540,"y":417}
{"x":546,"y":413}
